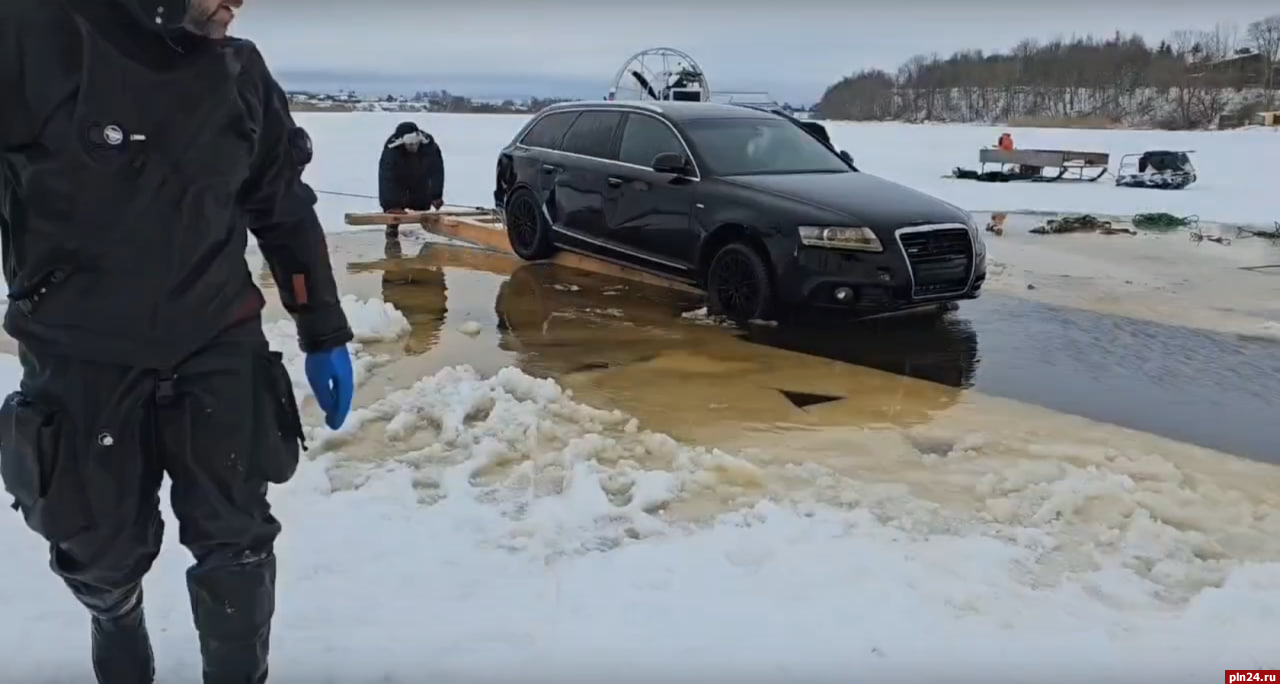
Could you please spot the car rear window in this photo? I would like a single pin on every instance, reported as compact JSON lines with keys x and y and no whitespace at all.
{"x":592,"y":134}
{"x":548,"y":130}
{"x":753,"y":147}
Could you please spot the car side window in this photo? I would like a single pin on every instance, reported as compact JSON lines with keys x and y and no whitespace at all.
{"x":644,"y":138}
{"x":548,"y":131}
{"x":592,"y":134}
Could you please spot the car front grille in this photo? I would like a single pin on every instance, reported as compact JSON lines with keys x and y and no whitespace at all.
{"x":941,"y":260}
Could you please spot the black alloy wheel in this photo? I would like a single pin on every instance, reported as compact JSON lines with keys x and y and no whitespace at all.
{"x":738,"y":285}
{"x":527,"y":229}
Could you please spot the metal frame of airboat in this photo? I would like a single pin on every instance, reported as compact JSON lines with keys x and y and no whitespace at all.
{"x":665,"y":92}
{"x":645,"y":80}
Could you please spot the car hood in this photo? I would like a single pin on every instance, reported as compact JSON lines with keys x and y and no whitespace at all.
{"x":868,"y":200}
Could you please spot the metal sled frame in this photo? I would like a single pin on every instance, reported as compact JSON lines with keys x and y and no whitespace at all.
{"x":1070,"y":165}
{"x":1129,"y":167}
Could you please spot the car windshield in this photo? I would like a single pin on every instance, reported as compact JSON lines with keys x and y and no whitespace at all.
{"x":755,"y":147}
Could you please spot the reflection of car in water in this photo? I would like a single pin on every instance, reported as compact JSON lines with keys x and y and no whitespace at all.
{"x":561,"y":313}
{"x":542,"y":307}
{"x":753,"y":206}
{"x":941,"y":350}
{"x":628,"y":343}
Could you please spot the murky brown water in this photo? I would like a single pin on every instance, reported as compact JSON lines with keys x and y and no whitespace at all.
{"x":935,"y":422}
{"x":625,"y":344}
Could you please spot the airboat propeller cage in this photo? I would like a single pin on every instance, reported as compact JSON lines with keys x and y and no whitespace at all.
{"x":660,"y":74}
{"x":162,"y":15}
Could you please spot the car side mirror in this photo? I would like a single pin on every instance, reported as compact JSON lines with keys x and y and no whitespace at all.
{"x":844,"y":154}
{"x":670,"y":162}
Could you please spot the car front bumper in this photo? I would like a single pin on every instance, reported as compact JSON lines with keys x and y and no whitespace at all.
{"x":922,"y":265}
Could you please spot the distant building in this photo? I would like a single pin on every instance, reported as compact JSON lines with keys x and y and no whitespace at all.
{"x":1246,"y":70}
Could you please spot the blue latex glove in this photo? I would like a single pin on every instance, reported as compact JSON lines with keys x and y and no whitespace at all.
{"x":333,"y":382}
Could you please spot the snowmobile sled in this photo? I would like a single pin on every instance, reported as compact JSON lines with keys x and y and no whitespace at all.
{"x":1156,"y":169}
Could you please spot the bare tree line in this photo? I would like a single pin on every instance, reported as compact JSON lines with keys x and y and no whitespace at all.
{"x":1185,"y":81}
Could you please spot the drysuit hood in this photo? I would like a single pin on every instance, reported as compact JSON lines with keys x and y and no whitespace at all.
{"x":163,"y":16}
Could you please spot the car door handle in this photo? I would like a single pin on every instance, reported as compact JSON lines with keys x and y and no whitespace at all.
{"x":615,"y":182}
{"x":550,"y":168}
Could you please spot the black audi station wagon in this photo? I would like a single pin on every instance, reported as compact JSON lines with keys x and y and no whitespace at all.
{"x":750,"y":204}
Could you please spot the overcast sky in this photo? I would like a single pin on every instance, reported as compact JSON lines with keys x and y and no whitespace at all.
{"x":793,"y":48}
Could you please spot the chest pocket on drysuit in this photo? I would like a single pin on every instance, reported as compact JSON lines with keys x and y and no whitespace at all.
{"x":151,"y":174}
{"x":161,"y":155}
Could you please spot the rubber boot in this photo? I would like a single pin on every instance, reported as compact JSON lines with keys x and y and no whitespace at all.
{"x":393,"y":249}
{"x":233,"y":603}
{"x":122,"y":647}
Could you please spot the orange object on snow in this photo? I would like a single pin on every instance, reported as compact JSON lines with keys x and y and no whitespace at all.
{"x":997,"y":224}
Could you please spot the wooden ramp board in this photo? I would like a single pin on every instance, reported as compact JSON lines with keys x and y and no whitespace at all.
{"x":380,"y":218}
{"x":483,"y":229}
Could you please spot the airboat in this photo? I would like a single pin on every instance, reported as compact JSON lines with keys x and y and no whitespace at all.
{"x":1157,"y":169}
{"x":665,"y":74}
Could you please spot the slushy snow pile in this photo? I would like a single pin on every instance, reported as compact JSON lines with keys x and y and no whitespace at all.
{"x":371,"y":321}
{"x":485,"y":528}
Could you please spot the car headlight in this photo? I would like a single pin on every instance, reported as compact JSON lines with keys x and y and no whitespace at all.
{"x":857,"y":238}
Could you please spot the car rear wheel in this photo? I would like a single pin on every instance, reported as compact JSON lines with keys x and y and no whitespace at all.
{"x":527,"y":227}
{"x":738,"y":285}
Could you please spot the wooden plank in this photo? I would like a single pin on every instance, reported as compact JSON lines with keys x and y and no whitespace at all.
{"x":451,"y":256}
{"x":380,"y":218}
{"x":490,"y":235}
{"x":493,"y":235}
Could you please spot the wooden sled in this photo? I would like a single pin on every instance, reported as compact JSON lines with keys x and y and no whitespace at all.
{"x":484,"y":229}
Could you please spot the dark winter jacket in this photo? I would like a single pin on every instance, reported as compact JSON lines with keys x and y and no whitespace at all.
{"x":410,"y":180}
{"x":130,"y":167}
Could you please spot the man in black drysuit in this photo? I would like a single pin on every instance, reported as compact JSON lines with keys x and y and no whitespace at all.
{"x":137,"y":143}
{"x":410,"y":173}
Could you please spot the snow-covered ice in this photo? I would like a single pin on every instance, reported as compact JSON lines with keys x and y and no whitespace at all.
{"x":1236,"y":176}
{"x":520,"y":533}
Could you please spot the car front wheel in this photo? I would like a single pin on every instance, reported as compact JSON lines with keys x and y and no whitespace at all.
{"x":738,"y":285}
{"x":527,"y":227}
